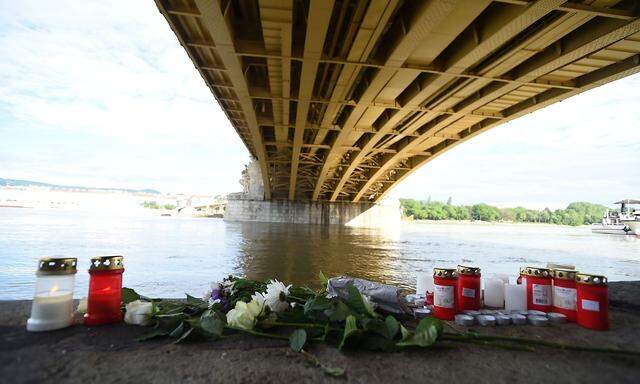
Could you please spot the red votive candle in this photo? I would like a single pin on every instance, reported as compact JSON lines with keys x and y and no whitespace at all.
{"x":105,"y":290}
{"x":564,"y":293}
{"x":468,"y":289}
{"x":444,"y":293}
{"x":593,"y":301}
{"x":539,"y":292}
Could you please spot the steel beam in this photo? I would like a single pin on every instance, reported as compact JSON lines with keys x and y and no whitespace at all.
{"x":320,"y":12}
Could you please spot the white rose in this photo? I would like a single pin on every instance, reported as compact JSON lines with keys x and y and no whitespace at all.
{"x":241,"y":317}
{"x":138,"y":313}
{"x":82,"y":306}
{"x":256,"y":307}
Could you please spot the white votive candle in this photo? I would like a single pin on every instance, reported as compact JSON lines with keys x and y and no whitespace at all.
{"x":424,"y":283}
{"x":52,"y":306}
{"x":515,"y":297}
{"x":494,"y":292}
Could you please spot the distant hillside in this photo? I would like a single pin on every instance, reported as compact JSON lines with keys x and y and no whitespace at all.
{"x":28,"y":183}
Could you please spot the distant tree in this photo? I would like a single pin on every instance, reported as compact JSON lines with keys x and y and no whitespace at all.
{"x":449,"y":201}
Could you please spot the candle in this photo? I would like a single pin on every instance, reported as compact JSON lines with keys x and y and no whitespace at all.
{"x":105,"y":290}
{"x":424,"y":283}
{"x":515,"y":297}
{"x":52,"y":306}
{"x":494,"y":292}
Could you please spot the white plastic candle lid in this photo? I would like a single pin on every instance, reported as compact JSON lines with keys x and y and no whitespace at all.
{"x":518,"y":319}
{"x":533,"y":312}
{"x":486,"y":320}
{"x":488,"y":312}
{"x":556,"y":318}
{"x":464,"y":320}
{"x":422,"y":312}
{"x":471,"y":312}
{"x":538,"y":321}
{"x":503,"y":320}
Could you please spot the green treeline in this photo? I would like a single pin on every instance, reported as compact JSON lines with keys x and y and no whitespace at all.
{"x":577,"y":213}
{"x":155,"y":205}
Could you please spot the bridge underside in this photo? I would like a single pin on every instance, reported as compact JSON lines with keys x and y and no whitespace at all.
{"x":343,"y":99}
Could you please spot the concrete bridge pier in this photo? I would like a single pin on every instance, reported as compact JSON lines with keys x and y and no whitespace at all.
{"x":251,"y":206}
{"x":365,"y":215}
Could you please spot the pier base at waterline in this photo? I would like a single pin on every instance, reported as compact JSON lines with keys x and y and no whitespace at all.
{"x":363,"y":214}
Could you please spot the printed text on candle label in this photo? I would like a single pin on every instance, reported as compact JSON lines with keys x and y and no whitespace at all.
{"x":468,"y":292}
{"x":541,"y":294}
{"x":443,"y":296}
{"x":590,"y":305}
{"x":564,"y":298}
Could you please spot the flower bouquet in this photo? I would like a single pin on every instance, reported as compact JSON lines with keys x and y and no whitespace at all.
{"x":302,"y":315}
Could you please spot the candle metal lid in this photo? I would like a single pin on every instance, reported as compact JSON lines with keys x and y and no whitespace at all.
{"x":585,"y":278}
{"x":537,"y":272}
{"x":57,"y":266}
{"x":564,"y":274}
{"x":468,"y":271}
{"x":106,"y":263}
{"x":447,"y":273}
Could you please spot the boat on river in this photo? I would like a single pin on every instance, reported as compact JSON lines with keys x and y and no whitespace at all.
{"x":624,"y":222}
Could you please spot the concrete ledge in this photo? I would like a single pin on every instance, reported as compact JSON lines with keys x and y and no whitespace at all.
{"x":109,"y":354}
{"x":363,"y":214}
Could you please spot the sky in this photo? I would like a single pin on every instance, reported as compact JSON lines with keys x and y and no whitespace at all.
{"x":101,"y":94}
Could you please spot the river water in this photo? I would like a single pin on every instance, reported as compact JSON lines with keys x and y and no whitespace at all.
{"x":168,"y":256}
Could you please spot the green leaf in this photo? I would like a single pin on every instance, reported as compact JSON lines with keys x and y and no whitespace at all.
{"x":153,"y":334}
{"x":405,"y":333}
{"x":177,"y":332}
{"x":358,"y":303}
{"x":426,"y":334}
{"x":129,"y":295}
{"x":196,"y":302}
{"x":318,"y":303}
{"x":297,"y":339}
{"x":184,"y":336}
{"x":323,"y":280}
{"x":333,"y":371}
{"x":350,"y":328}
{"x":212,"y":326}
{"x":339,"y":312}
{"x":392,"y":326}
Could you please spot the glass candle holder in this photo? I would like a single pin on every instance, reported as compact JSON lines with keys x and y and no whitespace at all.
{"x":592,"y":301}
{"x":539,"y":292}
{"x":105,"y":290}
{"x":445,"y":281}
{"x":52,"y":306}
{"x":468,"y":290}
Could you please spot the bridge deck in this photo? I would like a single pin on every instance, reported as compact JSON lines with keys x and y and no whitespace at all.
{"x":342,"y":99}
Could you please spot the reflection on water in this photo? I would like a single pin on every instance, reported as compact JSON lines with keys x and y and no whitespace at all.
{"x":167,"y":256}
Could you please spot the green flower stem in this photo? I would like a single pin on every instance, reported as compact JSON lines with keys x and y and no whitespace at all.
{"x":544,"y":343}
{"x":298,"y":325}
{"x":488,"y":343}
{"x":257,"y":333}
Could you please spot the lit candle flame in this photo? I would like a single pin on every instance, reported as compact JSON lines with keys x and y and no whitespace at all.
{"x":53,"y":290}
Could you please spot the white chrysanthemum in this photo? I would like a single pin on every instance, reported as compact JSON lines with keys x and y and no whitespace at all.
{"x":206,"y":296}
{"x":276,"y":296}
{"x":241,"y":317}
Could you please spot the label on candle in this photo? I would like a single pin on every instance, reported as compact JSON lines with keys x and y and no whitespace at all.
{"x":443,"y":296}
{"x":541,"y":294}
{"x":590,"y":305}
{"x":564,"y":298}
{"x":468,"y":292}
